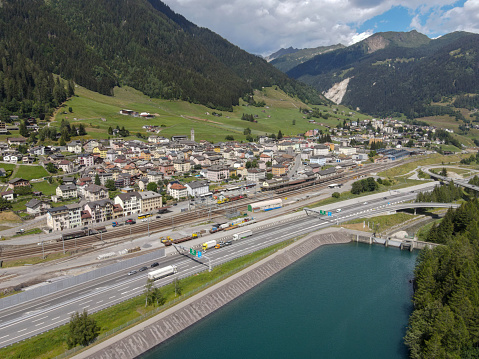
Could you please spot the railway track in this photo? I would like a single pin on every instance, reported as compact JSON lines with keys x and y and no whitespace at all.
{"x":128,"y":232}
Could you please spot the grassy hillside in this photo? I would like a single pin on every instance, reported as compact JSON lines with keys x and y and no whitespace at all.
{"x":98,"y":112}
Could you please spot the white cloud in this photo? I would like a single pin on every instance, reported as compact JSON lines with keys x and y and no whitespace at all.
{"x":264,"y":26}
{"x":459,"y":18}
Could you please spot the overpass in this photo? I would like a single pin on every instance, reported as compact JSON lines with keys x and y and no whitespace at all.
{"x":462,"y":183}
{"x":378,"y":209}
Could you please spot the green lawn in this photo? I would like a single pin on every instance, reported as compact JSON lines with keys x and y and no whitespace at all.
{"x":7,"y":166}
{"x":31,"y":172}
{"x":19,"y":205}
{"x":435,"y":159}
{"x":45,"y":187}
{"x":385,"y":222}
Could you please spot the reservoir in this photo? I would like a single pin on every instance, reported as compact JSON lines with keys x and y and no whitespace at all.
{"x":340,"y":301}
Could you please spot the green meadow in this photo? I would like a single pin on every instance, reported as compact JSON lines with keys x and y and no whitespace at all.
{"x":98,"y":113}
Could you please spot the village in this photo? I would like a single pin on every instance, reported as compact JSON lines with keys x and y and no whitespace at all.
{"x":101,"y":181}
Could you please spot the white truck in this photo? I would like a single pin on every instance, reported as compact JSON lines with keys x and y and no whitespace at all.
{"x":242,"y":235}
{"x":162,"y":272}
{"x":209,"y":244}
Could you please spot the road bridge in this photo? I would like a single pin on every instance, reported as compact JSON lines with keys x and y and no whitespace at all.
{"x":462,"y":183}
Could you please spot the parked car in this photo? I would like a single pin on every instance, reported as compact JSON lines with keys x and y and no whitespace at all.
{"x":132,"y":272}
{"x":158,"y":216}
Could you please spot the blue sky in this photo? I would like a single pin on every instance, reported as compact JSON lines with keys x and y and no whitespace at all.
{"x":264,"y":26}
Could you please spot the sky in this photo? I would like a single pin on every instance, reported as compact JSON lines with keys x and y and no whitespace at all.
{"x":264,"y":26}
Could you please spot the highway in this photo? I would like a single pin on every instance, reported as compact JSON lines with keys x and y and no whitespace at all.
{"x":34,"y":317}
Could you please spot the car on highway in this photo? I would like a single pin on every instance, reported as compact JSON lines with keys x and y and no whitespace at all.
{"x":338,"y":210}
{"x":130,"y":221}
{"x":365,"y":203}
{"x":132,"y":272}
{"x":156,"y":264}
{"x":229,"y":243}
{"x":144,"y":220}
{"x":142,"y":269}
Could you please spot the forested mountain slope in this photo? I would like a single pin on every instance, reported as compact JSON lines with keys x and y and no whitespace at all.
{"x":140,"y":43}
{"x":391,"y":73}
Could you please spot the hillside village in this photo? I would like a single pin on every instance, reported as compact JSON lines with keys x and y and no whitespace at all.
{"x":107,"y":180}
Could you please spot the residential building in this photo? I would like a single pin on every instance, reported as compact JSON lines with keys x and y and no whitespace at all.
{"x":8,"y":195}
{"x":18,"y":182}
{"x":197,"y":188}
{"x":129,"y":202}
{"x":100,"y":211}
{"x":150,"y":201}
{"x":217,"y":173}
{"x":66,"y":166}
{"x":278,"y":170}
{"x":74,"y":215}
{"x":35,"y":206}
{"x":75,"y":146}
{"x":255,"y":175}
{"x":94,"y":192}
{"x":320,"y":160}
{"x":58,"y":218}
{"x":154,"y":176}
{"x":86,"y":160}
{"x":348,"y":151}
{"x":178,"y":191}
{"x":66,"y":191}
{"x":181,"y":166}
{"x":320,"y":150}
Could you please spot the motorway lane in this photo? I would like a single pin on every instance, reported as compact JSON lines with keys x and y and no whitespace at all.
{"x":48,"y":312}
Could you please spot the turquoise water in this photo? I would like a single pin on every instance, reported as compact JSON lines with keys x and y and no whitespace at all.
{"x":341,"y":301}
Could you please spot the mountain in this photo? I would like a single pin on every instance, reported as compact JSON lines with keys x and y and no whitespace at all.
{"x":281,"y":52}
{"x":391,"y":73}
{"x":100,"y":44}
{"x":289,"y":60}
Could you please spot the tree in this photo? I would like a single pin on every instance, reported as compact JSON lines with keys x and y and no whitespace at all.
{"x":178,"y":287}
{"x":97,"y":180}
{"x":229,"y":138}
{"x":110,"y":184}
{"x":5,"y":204}
{"x":294,"y":122}
{"x":247,"y":131}
{"x":50,"y":167}
{"x":280,"y":135}
{"x":70,"y":109}
{"x":23,"y":129}
{"x":269,"y":175}
{"x":81,"y":130}
{"x":336,"y":195}
{"x":443,"y":172}
{"x":152,"y":186}
{"x":149,"y":292}
{"x":82,"y":330}
{"x":23,"y":190}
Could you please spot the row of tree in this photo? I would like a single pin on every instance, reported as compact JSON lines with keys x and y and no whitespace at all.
{"x":364,"y":185}
{"x":443,"y":194}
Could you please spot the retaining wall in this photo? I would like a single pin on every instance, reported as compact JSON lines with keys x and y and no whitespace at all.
{"x":147,"y":335}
